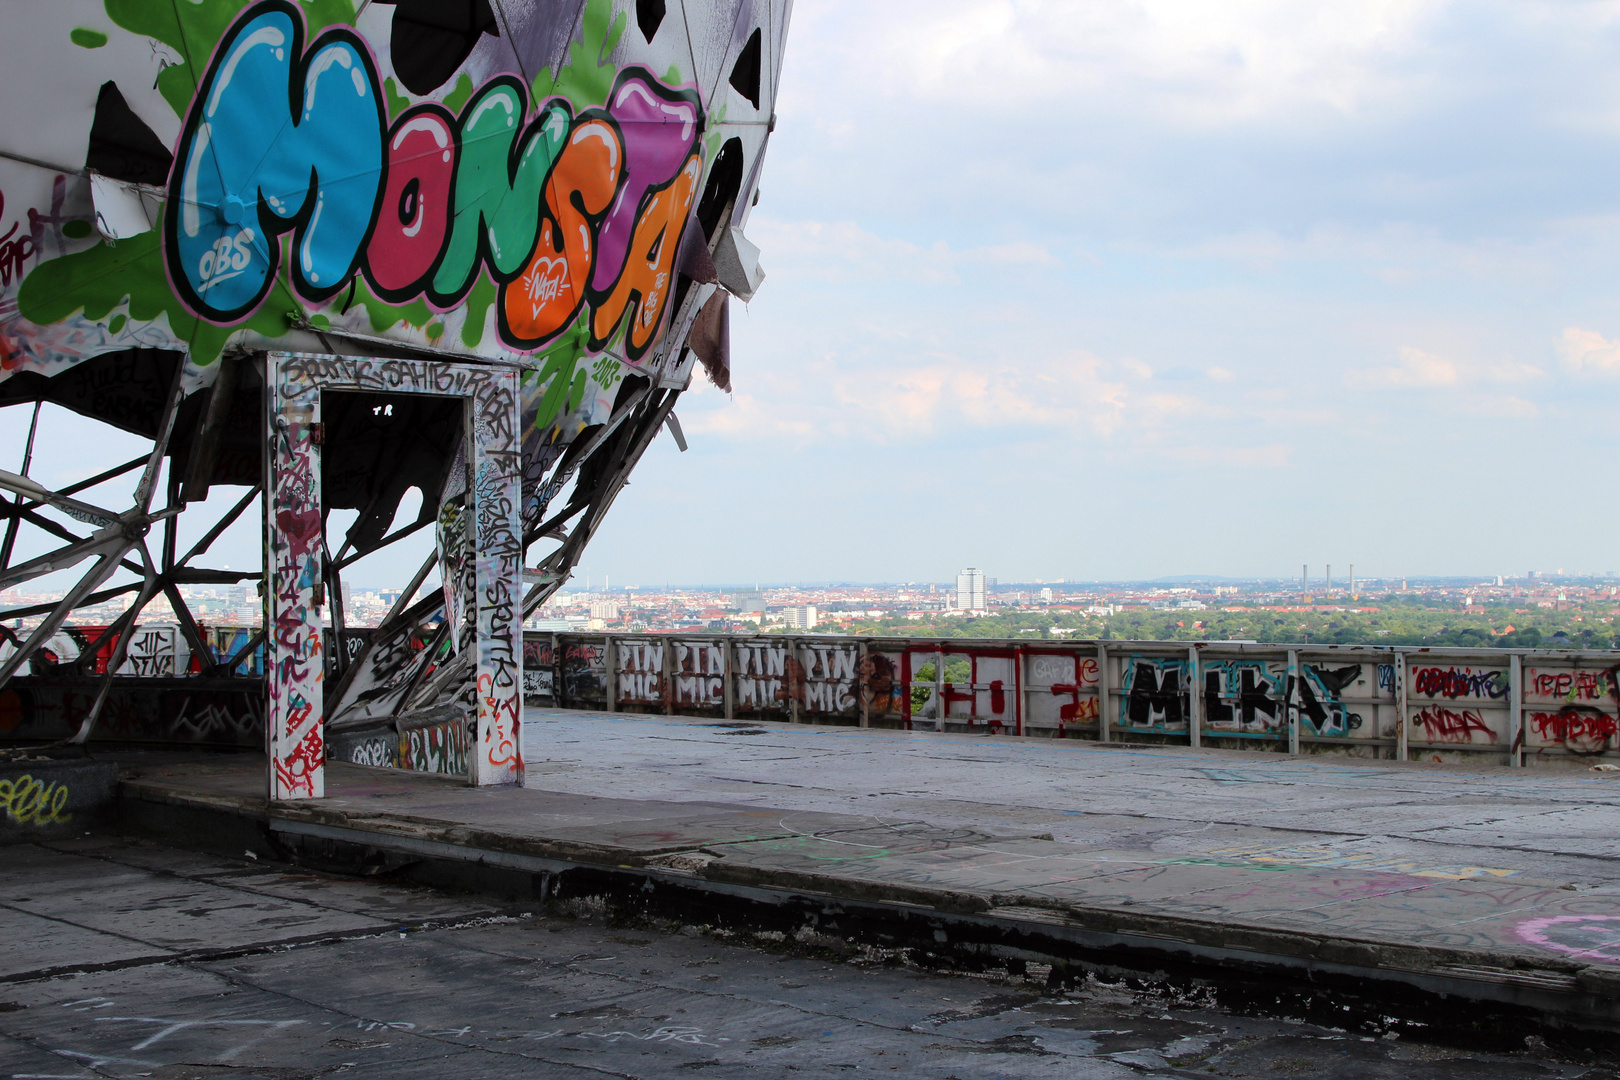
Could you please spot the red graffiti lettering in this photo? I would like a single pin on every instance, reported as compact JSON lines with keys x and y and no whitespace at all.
{"x":1582,"y":685}
{"x":1459,"y":682}
{"x":1581,"y":729}
{"x":1453,"y":725}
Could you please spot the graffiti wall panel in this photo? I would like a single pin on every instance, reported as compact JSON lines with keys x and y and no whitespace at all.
{"x":1570,"y":710}
{"x":762,"y":675}
{"x":584,"y":673}
{"x":61,"y":647}
{"x":1061,"y":693}
{"x":1153,"y":694}
{"x":1246,"y":698}
{"x":1343,"y":699}
{"x":435,"y":748}
{"x":639,"y":667}
{"x":989,"y":694}
{"x":1451,"y":706}
{"x":539,"y":671}
{"x":829,"y":678}
{"x":155,"y":650}
{"x":698,"y":675}
{"x":202,"y":714}
{"x":225,"y":644}
{"x":882,"y":692}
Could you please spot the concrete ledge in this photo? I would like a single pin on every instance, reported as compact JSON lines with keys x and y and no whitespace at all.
{"x":727,"y":868}
{"x":46,"y":797}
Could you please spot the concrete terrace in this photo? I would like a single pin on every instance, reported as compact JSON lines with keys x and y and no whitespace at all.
{"x":1486,"y":885}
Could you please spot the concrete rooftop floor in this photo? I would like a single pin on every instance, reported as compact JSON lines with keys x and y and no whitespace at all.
{"x":1531,"y":826}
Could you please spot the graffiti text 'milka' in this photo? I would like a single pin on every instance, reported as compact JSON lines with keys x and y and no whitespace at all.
{"x":564,"y":210}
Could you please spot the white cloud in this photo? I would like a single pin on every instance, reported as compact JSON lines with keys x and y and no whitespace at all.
{"x":1204,"y":61}
{"x":1416,"y":370}
{"x":1065,"y":396}
{"x":1587,"y":351}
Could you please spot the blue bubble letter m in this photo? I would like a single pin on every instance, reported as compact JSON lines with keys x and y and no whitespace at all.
{"x":275,"y":140}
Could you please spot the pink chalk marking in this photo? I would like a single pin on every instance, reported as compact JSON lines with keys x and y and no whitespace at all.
{"x":1542,"y":932}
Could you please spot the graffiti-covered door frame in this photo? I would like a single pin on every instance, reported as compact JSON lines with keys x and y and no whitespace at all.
{"x":295,"y":716}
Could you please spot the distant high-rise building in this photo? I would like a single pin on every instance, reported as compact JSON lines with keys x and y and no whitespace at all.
{"x":801,"y":618}
{"x":748,"y":603}
{"x":1046,"y":596}
{"x":970,"y":590}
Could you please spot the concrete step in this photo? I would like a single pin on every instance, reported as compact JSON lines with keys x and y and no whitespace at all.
{"x":1454,"y":952}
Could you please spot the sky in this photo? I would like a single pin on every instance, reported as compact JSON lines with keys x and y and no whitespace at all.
{"x":1125,"y":289}
{"x":1115,"y":290}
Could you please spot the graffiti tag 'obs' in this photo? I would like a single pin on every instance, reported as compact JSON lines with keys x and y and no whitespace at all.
{"x":565,"y":211}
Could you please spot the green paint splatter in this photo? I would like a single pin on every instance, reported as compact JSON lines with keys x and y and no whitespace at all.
{"x":384,"y":315}
{"x":397,"y":102}
{"x":478,"y":302}
{"x":320,"y":322}
{"x":711,"y":140}
{"x":86,"y":38}
{"x":194,"y":27}
{"x":116,"y":324}
{"x":587,"y":78}
{"x":672,"y":77}
{"x":559,"y":369}
{"x":76,"y":230}
{"x":605,"y":371}
{"x":457,"y":97}
{"x":435,"y":331}
{"x":106,"y":276}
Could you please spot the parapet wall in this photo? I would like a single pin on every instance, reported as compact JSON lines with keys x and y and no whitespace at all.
{"x":1518,"y":707}
{"x":1505,"y":707}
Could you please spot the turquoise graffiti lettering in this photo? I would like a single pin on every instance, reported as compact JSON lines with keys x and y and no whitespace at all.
{"x":276,"y":139}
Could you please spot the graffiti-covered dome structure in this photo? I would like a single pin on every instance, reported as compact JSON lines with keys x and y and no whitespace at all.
{"x":324,"y":254}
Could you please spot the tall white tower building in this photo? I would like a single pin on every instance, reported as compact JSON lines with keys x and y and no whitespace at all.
{"x":970,"y":590}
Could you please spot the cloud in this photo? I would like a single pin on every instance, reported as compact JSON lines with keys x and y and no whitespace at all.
{"x":1416,"y":370}
{"x":1019,"y":398}
{"x":1196,"y":61}
{"x":1589,"y":352}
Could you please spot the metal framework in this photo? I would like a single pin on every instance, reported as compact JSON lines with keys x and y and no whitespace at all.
{"x":414,"y":660}
{"x":348,"y":254}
